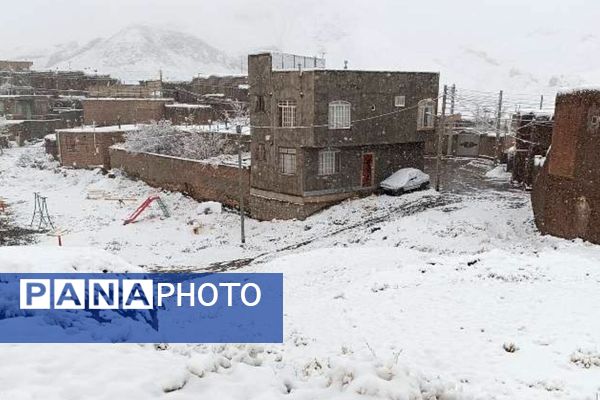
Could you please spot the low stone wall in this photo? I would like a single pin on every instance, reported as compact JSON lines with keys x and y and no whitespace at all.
{"x":35,"y":129}
{"x":200,"y":180}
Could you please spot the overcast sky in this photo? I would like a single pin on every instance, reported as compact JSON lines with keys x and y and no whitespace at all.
{"x":525,"y":35}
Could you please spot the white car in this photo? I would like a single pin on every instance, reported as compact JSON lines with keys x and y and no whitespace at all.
{"x":405,"y":180}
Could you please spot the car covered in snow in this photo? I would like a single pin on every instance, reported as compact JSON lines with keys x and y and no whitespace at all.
{"x":405,"y":180}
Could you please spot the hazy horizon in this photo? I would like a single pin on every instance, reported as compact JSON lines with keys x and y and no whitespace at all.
{"x":537,"y":45}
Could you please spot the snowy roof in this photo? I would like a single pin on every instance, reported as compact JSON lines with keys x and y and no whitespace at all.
{"x":129,"y":99}
{"x":100,"y":129}
{"x":179,"y":105}
{"x":579,"y":89}
{"x":11,"y":121}
{"x":230,"y":160}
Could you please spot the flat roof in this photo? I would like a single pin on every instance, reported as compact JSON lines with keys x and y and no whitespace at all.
{"x":181,"y":105}
{"x":100,"y":129}
{"x":128,"y":99}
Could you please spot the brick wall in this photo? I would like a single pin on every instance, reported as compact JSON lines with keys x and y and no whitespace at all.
{"x":200,"y":180}
{"x":105,"y":112}
{"x":86,"y":149}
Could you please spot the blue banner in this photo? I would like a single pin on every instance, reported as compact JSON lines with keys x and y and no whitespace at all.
{"x":141,"y":308}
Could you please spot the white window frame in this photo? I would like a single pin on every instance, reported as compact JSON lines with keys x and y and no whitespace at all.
{"x":287,"y":160}
{"x":340,"y":112}
{"x":595,"y":122}
{"x":329,"y":162}
{"x":400,"y":101}
{"x":287,"y":112}
{"x":426,"y":114}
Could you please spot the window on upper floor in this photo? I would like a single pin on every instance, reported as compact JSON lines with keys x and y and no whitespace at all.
{"x":287,"y":160}
{"x":287,"y":113}
{"x":329,"y":162}
{"x":426,"y":114}
{"x":400,"y":101}
{"x":339,"y":115}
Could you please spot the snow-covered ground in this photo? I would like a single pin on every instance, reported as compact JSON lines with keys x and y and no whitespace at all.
{"x":423,"y":296}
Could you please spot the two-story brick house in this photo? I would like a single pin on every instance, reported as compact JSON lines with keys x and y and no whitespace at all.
{"x":320,"y":136}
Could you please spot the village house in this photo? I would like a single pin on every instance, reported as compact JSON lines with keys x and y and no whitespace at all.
{"x":532,"y":141}
{"x":24,"y":106}
{"x":566,"y":192}
{"x":15,"y":66}
{"x":190,"y":114}
{"x":87,"y":146}
{"x":108,"y":111}
{"x":320,"y":136}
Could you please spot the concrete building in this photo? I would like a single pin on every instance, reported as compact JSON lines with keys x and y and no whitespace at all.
{"x":114,"y":111}
{"x":320,"y":136}
{"x":87,"y":146}
{"x":566,"y":193}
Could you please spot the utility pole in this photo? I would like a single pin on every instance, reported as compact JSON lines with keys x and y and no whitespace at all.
{"x":498,"y":125}
{"x":238,"y":129}
{"x":541,"y":102}
{"x":441,"y":128}
{"x":452,"y":98}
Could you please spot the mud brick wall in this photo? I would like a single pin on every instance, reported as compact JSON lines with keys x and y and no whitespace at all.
{"x":35,"y":129}
{"x":86,"y":149}
{"x":566,"y":193}
{"x":200,"y":180}
{"x":106,"y":112}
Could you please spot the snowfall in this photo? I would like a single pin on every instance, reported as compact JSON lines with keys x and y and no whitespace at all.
{"x":451,"y":295}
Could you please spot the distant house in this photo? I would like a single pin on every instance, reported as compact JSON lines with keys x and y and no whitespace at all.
{"x":320,"y":136}
{"x":87,"y":146}
{"x":566,"y":193}
{"x":107,"y":111}
{"x":24,"y":107}
{"x":192,"y":114}
{"x":533,"y":138}
{"x":15,"y":66}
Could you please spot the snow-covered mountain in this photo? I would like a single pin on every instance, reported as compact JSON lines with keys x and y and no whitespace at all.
{"x":540,"y":62}
{"x":139,"y":52}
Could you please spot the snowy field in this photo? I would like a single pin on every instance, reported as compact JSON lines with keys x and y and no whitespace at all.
{"x":424,"y":296}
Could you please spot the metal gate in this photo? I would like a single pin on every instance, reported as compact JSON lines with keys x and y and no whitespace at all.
{"x":467,"y":145}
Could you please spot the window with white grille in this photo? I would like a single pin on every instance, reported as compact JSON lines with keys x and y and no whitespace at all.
{"x":287,"y":160}
{"x":329,"y":162}
{"x":287,"y":113}
{"x":426,"y":114}
{"x":339,"y":115}
{"x":400,"y":101}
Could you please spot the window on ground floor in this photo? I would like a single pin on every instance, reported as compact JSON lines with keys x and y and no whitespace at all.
{"x":329,"y":162}
{"x":287,"y":160}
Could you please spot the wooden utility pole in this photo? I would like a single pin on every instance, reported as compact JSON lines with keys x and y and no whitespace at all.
{"x":541,"y":102}
{"x":498,"y":126}
{"x":440,"y":132}
{"x":238,"y":129}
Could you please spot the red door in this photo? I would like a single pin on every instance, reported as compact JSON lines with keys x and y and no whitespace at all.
{"x":367,"y":170}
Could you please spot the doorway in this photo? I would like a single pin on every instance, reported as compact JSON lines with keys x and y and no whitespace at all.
{"x":367,"y":170}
